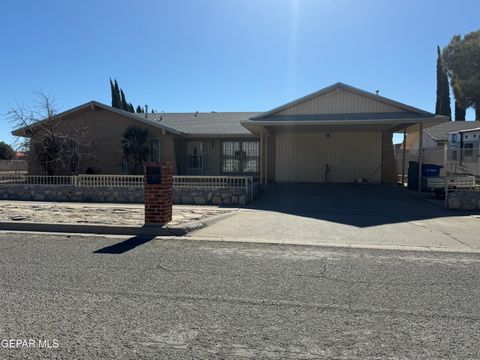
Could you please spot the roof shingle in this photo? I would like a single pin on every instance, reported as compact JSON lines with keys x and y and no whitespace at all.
{"x":440,"y":132}
{"x":204,"y":123}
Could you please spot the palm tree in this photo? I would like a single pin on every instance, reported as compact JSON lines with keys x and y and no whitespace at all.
{"x":135,"y":149}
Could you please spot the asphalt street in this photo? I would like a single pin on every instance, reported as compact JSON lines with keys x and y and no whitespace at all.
{"x":112,"y":298}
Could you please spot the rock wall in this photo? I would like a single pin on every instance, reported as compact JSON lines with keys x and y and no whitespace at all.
{"x":464,"y":200}
{"x":71,"y":193}
{"x":230,"y":196}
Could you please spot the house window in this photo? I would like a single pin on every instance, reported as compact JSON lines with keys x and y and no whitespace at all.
{"x":154,"y":153}
{"x":240,"y":157}
{"x":468,"y":149}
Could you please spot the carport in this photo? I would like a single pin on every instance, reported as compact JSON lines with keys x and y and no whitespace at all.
{"x":339,"y":134}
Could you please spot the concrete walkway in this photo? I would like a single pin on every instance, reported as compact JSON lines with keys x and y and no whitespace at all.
{"x":348,"y":215}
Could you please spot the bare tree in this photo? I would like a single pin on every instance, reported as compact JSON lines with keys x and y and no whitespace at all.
{"x":55,"y":146}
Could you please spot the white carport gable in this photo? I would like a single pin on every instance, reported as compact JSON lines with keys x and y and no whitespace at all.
{"x":340,"y":98}
{"x":337,"y":134}
{"x":338,"y":101}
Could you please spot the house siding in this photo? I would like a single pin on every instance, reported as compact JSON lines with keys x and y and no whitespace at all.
{"x":350,"y":156}
{"x":339,"y":101}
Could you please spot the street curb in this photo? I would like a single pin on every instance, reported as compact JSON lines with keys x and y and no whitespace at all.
{"x":427,"y":249}
{"x":146,"y":230}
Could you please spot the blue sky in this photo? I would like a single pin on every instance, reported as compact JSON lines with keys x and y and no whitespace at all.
{"x":235,"y":55}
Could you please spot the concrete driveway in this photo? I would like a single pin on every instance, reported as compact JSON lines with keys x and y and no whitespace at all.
{"x":385,"y":216}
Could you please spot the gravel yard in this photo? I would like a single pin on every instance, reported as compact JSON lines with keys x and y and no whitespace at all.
{"x":105,"y":214}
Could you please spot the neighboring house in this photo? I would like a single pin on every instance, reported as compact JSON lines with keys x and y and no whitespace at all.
{"x":437,"y":136}
{"x":434,"y":143}
{"x":337,"y":134}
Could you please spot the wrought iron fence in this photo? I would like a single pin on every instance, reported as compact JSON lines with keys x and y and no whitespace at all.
{"x":85,"y":180}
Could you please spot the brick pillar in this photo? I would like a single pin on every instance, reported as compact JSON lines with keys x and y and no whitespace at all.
{"x":158,"y":185}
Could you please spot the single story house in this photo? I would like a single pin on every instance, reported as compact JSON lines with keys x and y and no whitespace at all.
{"x":338,"y":134}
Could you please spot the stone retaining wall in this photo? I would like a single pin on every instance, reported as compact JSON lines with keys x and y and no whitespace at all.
{"x":230,"y":196}
{"x":464,"y":200}
{"x":71,"y":193}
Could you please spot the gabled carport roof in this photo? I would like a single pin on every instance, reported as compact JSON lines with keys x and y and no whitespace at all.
{"x":405,"y":117}
{"x":91,"y":104}
{"x":340,"y":85}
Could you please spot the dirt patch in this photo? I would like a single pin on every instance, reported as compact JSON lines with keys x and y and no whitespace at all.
{"x":105,"y":214}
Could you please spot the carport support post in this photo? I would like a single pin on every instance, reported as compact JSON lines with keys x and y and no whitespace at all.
{"x":266,"y":159}
{"x":445,"y":158}
{"x":420,"y":155}
{"x":261,"y":158}
{"x":403,"y":155}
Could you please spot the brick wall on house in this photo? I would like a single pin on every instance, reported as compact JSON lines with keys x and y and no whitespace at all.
{"x":103,"y":130}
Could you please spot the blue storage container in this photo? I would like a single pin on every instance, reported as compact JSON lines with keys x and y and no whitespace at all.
{"x":428,"y":170}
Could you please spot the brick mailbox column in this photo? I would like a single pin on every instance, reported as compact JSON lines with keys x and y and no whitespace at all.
{"x":158,"y":185}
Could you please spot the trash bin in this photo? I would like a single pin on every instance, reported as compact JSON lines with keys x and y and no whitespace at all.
{"x":431,"y":170}
{"x":428,"y":170}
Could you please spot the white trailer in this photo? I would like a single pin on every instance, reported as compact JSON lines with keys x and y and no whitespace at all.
{"x":441,"y":184}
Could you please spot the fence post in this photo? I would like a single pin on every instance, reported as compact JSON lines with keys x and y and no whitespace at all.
{"x":445,"y":179}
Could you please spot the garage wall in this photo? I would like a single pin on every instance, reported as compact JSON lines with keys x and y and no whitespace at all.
{"x":350,"y":156}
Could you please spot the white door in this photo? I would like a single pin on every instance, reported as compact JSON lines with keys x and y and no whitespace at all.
{"x":195,"y":158}
{"x":335,"y":157}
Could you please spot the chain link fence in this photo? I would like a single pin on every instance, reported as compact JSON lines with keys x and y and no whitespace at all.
{"x":457,"y":181}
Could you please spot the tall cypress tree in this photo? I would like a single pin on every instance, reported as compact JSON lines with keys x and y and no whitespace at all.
{"x":118,"y":102}
{"x":442,"y":105}
{"x":459,"y":112}
{"x":112,"y":90}
{"x":115,"y":94}
{"x":123,"y":101}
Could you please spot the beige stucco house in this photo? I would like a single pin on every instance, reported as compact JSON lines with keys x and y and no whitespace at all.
{"x":338,"y":134}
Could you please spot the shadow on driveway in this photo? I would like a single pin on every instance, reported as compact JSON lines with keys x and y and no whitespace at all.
{"x":359,"y":205}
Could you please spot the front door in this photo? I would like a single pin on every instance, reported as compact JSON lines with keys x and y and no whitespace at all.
{"x":194,"y":158}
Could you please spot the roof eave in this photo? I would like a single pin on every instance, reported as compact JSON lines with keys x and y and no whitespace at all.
{"x":427,"y":122}
{"x":22,"y":131}
{"x":434,"y":120}
{"x":230,"y":135}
